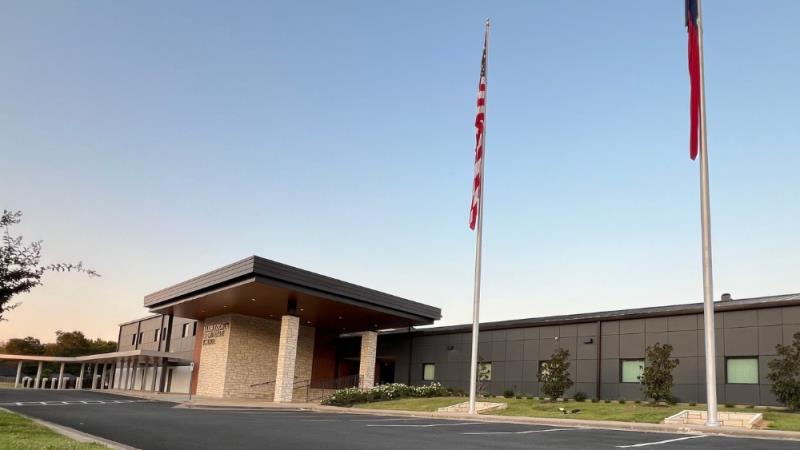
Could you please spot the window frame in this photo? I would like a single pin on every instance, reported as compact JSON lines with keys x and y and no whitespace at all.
{"x":185,"y":330}
{"x":140,"y":338}
{"x":194,"y":328}
{"x":622,"y":372}
{"x":133,"y":339}
{"x":424,"y":366}
{"x":747,"y":358}
{"x":157,"y":334}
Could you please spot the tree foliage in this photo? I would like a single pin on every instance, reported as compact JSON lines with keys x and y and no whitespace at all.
{"x":657,"y":374}
{"x":20,"y":264}
{"x":554,"y":374}
{"x":784,"y":373}
{"x":24,"y":346}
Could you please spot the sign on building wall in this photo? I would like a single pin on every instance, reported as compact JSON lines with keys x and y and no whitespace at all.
{"x":214,"y":331}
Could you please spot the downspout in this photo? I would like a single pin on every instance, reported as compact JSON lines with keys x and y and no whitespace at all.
{"x":410,"y":352}
{"x":598,"y":386}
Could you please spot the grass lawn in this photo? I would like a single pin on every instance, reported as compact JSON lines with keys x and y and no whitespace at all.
{"x":627,"y":412}
{"x":19,"y":432}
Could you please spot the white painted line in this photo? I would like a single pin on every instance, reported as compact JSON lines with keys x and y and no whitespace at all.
{"x":386,"y":420}
{"x":427,"y":425}
{"x":19,"y":403}
{"x":645,"y":444}
{"x":524,"y":432}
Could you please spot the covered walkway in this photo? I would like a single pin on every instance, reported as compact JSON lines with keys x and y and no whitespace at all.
{"x":143,"y":370}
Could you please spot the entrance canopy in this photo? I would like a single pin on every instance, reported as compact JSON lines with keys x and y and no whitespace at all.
{"x":260,"y":287}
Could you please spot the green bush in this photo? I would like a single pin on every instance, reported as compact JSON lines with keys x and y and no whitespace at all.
{"x":622,"y":401}
{"x":608,"y":401}
{"x":729,"y":405}
{"x":580,"y":397}
{"x":784,"y":373}
{"x":353,"y":395}
{"x":508,"y":393}
{"x":693,"y":404}
{"x":637,"y":401}
{"x":595,"y":400}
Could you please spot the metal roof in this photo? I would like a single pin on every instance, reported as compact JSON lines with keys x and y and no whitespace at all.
{"x":268,"y":271}
{"x":637,"y":313}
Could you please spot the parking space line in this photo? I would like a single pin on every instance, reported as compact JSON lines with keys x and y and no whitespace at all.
{"x":522,"y":432}
{"x":645,"y":444}
{"x":387,"y":420}
{"x":425,"y":425}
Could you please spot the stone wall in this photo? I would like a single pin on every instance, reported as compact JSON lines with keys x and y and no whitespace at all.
{"x":245,"y":355}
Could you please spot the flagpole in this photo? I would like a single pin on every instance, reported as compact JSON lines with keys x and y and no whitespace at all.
{"x":473,"y":375}
{"x":705,"y":218}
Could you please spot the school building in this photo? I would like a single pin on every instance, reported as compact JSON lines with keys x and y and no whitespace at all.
{"x":261,"y":329}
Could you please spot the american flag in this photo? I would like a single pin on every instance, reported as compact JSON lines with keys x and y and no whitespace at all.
{"x":477,"y":183}
{"x":692,"y":26}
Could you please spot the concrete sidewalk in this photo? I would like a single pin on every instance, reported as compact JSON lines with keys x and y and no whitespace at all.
{"x":213,"y":403}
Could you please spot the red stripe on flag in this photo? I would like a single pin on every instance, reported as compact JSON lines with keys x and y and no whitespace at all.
{"x":694,"y":84}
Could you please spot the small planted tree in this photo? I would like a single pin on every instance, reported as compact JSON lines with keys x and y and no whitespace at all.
{"x":657,"y":374}
{"x":784,"y":373}
{"x":554,"y":374}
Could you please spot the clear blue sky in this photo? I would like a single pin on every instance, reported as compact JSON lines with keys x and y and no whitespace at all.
{"x":158,"y":140}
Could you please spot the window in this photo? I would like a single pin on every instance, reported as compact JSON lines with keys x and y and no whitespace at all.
{"x":185,"y":330}
{"x":742,"y":370}
{"x":155,"y":336}
{"x":163,"y":333}
{"x":485,"y":371}
{"x":631,"y":370}
{"x":133,"y":340}
{"x":428,"y":372}
{"x":194,"y":329}
{"x":140,"y":337}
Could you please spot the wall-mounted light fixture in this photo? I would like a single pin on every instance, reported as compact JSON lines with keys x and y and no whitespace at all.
{"x":588,"y":340}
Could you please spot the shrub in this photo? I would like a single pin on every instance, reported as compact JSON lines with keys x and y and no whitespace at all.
{"x":637,"y":401}
{"x":508,"y":393}
{"x":693,"y":404}
{"x":608,"y":401}
{"x":621,"y":401}
{"x":729,"y":405}
{"x":595,"y":400}
{"x":784,"y":373}
{"x":580,"y":397}
{"x":350,"y":396}
{"x":657,"y":374}
{"x":529,"y":397}
{"x":554,"y":375}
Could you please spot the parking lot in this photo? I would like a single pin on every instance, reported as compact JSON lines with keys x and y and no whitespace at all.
{"x":159,"y":425}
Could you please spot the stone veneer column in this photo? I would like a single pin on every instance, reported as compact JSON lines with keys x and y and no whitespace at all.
{"x":366,"y":367}
{"x":287,"y":354}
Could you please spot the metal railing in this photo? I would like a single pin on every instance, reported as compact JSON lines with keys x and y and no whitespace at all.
{"x":308,"y":391}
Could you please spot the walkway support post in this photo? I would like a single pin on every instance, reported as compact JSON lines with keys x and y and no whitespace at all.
{"x":94,"y":376}
{"x":38,"y":379}
{"x":61,"y":376}
{"x":79,"y":381}
{"x":19,"y":374}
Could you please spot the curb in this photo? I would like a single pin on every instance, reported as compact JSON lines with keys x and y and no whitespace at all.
{"x":74,"y":434}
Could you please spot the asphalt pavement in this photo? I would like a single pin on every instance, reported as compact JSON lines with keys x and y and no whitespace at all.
{"x":154,"y":425}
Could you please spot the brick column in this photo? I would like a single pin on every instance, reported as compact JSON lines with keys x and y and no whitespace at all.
{"x":287,"y":353}
{"x":366,"y":367}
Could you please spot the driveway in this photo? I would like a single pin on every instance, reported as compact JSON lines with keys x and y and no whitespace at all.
{"x":148,"y":424}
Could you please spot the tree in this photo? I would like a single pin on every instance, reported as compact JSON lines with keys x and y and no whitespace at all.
{"x":554,"y":374}
{"x":784,"y":373}
{"x":75,"y":343}
{"x":20,"y":264}
{"x":25,"y":346}
{"x":657,"y":374}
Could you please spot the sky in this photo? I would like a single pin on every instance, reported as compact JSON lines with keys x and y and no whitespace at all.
{"x":155,"y":141}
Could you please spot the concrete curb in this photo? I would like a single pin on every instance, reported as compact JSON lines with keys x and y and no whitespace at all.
{"x":74,"y":434}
